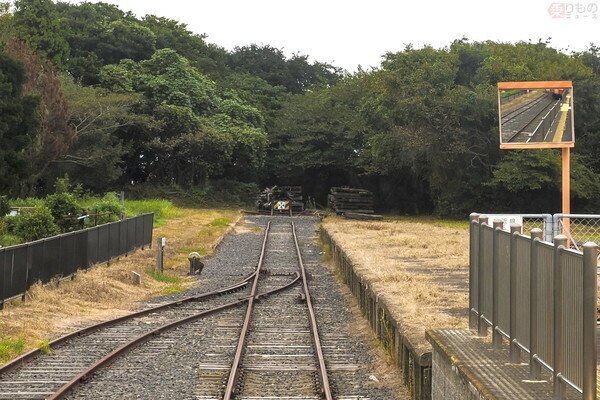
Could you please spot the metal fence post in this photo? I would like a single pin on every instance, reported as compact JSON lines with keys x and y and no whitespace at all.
{"x":548,"y":228}
{"x":481,"y":324}
{"x":590,"y":289}
{"x":515,"y":352}
{"x":556,"y":225}
{"x":535,"y":369}
{"x":496,"y":335}
{"x":560,"y":242}
{"x":473,"y":255}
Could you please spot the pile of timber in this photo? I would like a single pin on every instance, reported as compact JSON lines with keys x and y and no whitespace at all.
{"x":347,"y":200}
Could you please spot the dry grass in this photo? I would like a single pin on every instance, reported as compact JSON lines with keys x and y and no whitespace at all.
{"x":107,"y":291}
{"x":420,"y":269}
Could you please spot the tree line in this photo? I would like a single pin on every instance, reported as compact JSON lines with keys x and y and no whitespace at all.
{"x":115,"y":100}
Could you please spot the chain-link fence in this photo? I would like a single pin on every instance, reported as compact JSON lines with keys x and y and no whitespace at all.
{"x":578,"y":228}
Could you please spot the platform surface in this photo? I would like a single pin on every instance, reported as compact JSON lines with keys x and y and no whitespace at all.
{"x":489,"y":369}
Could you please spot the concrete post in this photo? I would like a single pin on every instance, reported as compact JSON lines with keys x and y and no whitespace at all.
{"x":560,"y":242}
{"x":136,"y":278}
{"x":535,"y":369}
{"x":496,"y":335}
{"x":590,"y":296}
{"x":515,"y":352}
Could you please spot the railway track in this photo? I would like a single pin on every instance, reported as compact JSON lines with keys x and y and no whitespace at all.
{"x":271,"y":349}
{"x":41,"y":374}
{"x":527,"y":122}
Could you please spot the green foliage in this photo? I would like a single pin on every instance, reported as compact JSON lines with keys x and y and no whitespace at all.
{"x":36,"y":224}
{"x":62,"y":205}
{"x":111,"y":205}
{"x":19,"y":122}
{"x":270,"y":64}
{"x":4,"y":206}
{"x":41,"y":26}
{"x":62,"y":185}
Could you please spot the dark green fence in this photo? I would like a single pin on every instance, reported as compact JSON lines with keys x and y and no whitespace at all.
{"x":59,"y":256}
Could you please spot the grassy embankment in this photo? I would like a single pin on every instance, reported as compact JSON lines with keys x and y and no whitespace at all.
{"x":419,"y":265}
{"x":106,"y":291}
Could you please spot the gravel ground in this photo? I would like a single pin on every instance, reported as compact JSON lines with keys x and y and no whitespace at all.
{"x":169,"y":366}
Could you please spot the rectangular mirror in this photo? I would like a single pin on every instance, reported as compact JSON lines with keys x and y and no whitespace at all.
{"x":536,"y":114}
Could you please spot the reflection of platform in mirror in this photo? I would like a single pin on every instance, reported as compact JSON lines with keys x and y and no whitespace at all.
{"x":535,"y":114}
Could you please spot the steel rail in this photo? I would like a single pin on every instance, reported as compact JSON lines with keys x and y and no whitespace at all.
{"x":23,"y":359}
{"x":520,"y":110}
{"x":533,"y":119}
{"x":121,"y":350}
{"x":323,"y":378}
{"x":235,"y":365}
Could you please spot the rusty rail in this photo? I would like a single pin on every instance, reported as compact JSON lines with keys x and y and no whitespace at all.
{"x":235,"y":365}
{"x":23,"y":359}
{"x":120,"y":351}
{"x":321,"y":367}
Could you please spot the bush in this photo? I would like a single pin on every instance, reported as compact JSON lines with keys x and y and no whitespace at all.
{"x":36,"y":224}
{"x":110,"y":203}
{"x":63,"y":205}
{"x":4,"y":206}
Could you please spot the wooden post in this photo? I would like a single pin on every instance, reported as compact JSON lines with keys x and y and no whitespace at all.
{"x":160,"y":255}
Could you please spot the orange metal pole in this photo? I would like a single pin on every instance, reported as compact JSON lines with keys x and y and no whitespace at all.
{"x":566,"y":185}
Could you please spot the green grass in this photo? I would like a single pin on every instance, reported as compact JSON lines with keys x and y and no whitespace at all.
{"x":173,"y":289}
{"x":163,"y":277}
{"x":44,"y":346}
{"x":10,"y":347}
{"x":220,"y":222}
{"x":428,"y":219}
{"x":162,"y":209}
{"x":200,"y":250}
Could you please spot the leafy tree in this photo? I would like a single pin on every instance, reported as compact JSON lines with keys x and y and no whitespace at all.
{"x":19,"y":123}
{"x":270,"y":64}
{"x":4,"y":206}
{"x":40,"y":25}
{"x":87,"y":22}
{"x":96,"y":116}
{"x":208,"y":59}
{"x":125,"y":39}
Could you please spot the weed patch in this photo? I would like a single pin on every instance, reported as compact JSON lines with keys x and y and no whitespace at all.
{"x":11,"y":347}
{"x":164,"y":277}
{"x":220,"y":222}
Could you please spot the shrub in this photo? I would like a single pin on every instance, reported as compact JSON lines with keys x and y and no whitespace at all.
{"x":110,"y":203}
{"x":36,"y":224}
{"x":63,"y":205}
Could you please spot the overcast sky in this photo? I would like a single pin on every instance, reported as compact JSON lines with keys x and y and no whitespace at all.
{"x":349,"y":34}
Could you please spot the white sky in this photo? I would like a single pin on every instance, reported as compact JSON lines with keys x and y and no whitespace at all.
{"x":349,"y":33}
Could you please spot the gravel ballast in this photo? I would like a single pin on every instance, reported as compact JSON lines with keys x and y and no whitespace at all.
{"x":173,"y":365}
